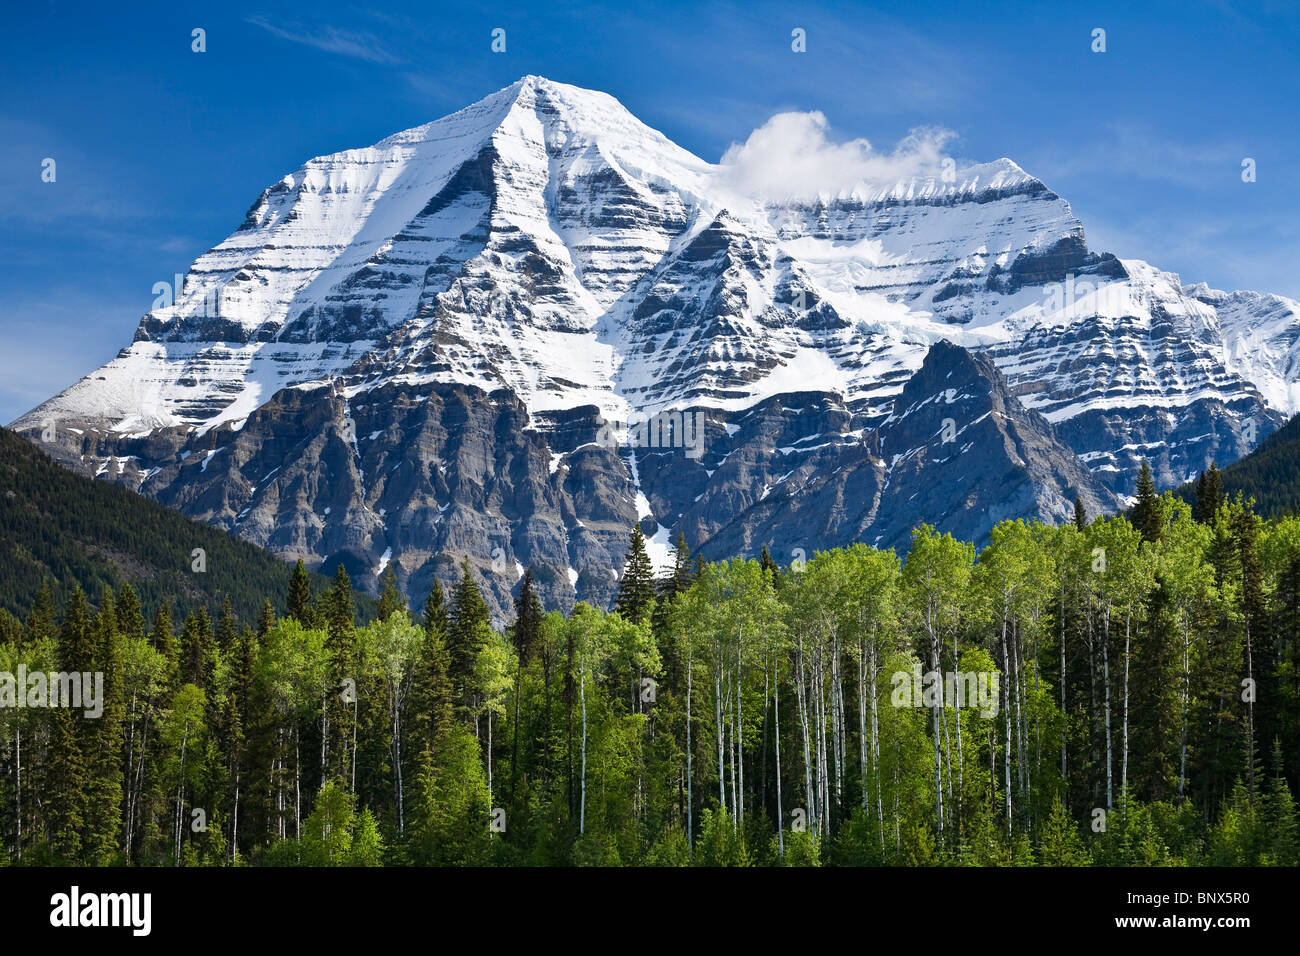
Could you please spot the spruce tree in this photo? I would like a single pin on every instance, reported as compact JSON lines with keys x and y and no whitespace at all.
{"x":197,"y":651}
{"x":1147,"y":513}
{"x":226,"y":627}
{"x":340,"y":716}
{"x":636,"y":587}
{"x":77,"y":647}
{"x":299,"y":601}
{"x":435,"y":610}
{"x":431,"y":695}
{"x":67,"y":803}
{"x":470,"y":621}
{"x":339,"y":610}
{"x":1209,"y":495}
{"x":1198,"y":501}
{"x":390,"y":598}
{"x":527,"y":630}
{"x":266,"y":619}
{"x":163,"y":640}
{"x":1080,"y":515}
{"x":1245,"y":527}
{"x":65,"y":800}
{"x":42,"y":623}
{"x":677,"y":581}
{"x":527,"y":637}
{"x":130,"y":622}
{"x":103,"y":751}
{"x":1280,"y":825}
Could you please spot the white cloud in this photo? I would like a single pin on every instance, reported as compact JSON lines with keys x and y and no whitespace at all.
{"x":791,"y":155}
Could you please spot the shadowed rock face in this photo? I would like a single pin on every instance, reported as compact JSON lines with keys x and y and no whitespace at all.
{"x":423,"y":477}
{"x":417,"y":352}
{"x":963,"y":454}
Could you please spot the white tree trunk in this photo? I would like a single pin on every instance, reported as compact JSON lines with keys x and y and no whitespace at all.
{"x":1105,"y":664}
{"x":776,"y":707}
{"x":740,"y":729}
{"x":582,"y":693}
{"x":1123,"y":773}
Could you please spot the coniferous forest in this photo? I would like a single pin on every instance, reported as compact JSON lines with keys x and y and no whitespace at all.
{"x":1131,"y":697}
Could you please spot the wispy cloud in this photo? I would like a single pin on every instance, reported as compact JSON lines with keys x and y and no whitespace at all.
{"x":1138,"y":152}
{"x":357,"y":44}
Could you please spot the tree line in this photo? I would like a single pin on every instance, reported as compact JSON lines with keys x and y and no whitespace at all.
{"x":1132,"y":697}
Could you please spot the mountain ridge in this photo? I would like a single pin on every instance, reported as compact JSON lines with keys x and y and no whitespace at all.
{"x":542,"y":261}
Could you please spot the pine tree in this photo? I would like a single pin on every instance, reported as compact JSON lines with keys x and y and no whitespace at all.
{"x":226,"y":629}
{"x":677,"y":581}
{"x":1080,"y":515}
{"x":300,"y":596}
{"x":435,"y":610}
{"x":769,"y":566}
{"x":130,"y":622}
{"x":470,"y":621}
{"x":1209,"y":495}
{"x":527,"y":637}
{"x":1280,"y":824}
{"x":197,"y":650}
{"x":527,"y":630}
{"x":66,"y":802}
{"x":266,"y":619}
{"x":636,"y":587}
{"x":41,"y":620}
{"x":1147,"y":514}
{"x":431,"y":696}
{"x":103,"y":751}
{"x":390,"y":598}
{"x":339,"y":717}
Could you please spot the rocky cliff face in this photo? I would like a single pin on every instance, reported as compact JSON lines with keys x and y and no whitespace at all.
{"x":436,"y":347}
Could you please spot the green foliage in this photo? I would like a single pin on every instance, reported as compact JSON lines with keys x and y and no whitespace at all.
{"x":59,"y":528}
{"x":1269,"y":476}
{"x":729,"y":716}
{"x":721,"y":843}
{"x":636,"y":588}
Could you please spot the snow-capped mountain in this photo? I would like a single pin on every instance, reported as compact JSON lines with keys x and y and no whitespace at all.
{"x":431,"y":347}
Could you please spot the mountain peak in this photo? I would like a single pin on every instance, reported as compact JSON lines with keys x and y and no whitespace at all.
{"x":484,"y":291}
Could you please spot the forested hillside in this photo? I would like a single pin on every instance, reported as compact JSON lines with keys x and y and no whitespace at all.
{"x":1270,"y":474}
{"x":1130,"y":696}
{"x":61,"y":528}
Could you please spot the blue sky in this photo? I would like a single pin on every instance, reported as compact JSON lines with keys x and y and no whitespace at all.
{"x":161,"y":150}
